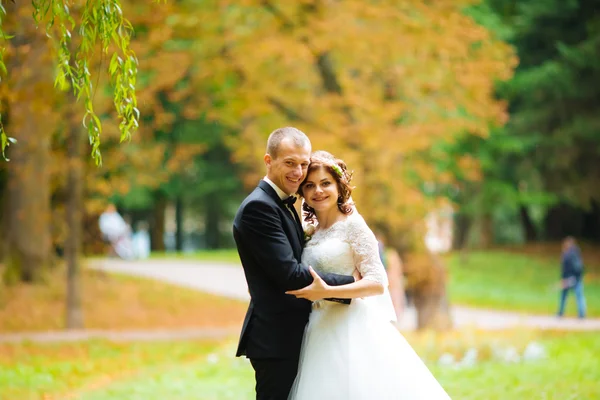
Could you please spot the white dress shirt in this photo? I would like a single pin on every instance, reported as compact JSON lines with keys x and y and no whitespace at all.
{"x":282,"y":195}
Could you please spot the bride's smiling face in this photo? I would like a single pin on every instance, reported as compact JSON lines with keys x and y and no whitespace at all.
{"x":320,"y":190}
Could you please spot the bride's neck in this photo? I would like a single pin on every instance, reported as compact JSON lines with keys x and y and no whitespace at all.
{"x":328,"y":217}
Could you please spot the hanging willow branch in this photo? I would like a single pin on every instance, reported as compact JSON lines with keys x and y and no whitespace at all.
{"x":100,"y":22}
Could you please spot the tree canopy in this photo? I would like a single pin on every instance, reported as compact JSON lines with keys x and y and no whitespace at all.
{"x":375,"y":83}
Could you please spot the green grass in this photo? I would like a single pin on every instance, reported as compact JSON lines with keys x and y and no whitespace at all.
{"x":208,"y":371}
{"x":570,"y":372}
{"x":32,"y":371}
{"x":510,"y":281}
{"x":217,"y":376}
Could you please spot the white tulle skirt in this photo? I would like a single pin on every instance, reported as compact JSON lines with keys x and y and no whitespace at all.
{"x":351,"y":352}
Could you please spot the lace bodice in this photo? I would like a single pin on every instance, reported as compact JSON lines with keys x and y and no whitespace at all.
{"x":344,"y":246}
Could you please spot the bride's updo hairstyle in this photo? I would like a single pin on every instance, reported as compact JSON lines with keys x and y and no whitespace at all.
{"x":338,"y":170}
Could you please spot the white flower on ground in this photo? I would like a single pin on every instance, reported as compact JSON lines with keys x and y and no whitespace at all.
{"x":446,"y":360}
{"x":534,"y":351}
{"x":470,"y":358}
{"x":212,"y":358}
{"x":508,"y":355}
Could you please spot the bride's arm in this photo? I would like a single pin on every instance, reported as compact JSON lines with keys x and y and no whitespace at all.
{"x":319,"y":289}
{"x":360,"y":288}
{"x":367,"y":261}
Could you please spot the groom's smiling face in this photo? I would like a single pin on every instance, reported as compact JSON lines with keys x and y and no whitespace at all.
{"x":288,"y":168}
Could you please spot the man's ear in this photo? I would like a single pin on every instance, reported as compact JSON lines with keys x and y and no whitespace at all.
{"x":268,"y":159}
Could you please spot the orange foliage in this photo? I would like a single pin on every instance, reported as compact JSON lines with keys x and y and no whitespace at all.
{"x":372,"y":82}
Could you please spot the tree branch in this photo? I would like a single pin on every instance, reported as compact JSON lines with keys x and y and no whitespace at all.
{"x":291,"y":114}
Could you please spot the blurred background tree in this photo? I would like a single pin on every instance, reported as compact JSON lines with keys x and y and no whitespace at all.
{"x":29,"y":107}
{"x":538,"y":169}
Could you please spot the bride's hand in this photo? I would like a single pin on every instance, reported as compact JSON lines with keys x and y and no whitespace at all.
{"x":317,"y":290}
{"x":356,"y":275}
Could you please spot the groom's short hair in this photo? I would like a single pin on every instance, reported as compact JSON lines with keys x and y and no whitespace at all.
{"x":276,"y":137}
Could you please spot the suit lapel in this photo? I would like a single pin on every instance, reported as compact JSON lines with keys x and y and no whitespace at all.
{"x":271,"y":192}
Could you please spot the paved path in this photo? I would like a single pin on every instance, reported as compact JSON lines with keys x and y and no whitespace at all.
{"x":228,"y":280}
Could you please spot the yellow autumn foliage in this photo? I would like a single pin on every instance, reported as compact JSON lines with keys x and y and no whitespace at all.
{"x":372,"y":82}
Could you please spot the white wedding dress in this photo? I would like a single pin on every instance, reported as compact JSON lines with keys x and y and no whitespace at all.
{"x":353,"y":352}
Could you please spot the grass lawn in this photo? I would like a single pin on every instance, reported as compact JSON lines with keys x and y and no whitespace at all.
{"x":518,"y":281}
{"x":113,"y":301}
{"x":207,"y":370}
{"x":52,"y":371}
{"x":570,"y":372}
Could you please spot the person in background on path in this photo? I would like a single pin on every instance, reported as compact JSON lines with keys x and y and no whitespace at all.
{"x":116,"y":232}
{"x":571,"y":276}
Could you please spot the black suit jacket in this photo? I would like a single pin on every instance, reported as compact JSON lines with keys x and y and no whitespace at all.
{"x":270,"y":243}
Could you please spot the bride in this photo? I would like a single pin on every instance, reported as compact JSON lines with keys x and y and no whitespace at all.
{"x":350,"y":352}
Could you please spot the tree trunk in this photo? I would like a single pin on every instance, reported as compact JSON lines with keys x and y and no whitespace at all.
{"x":74,"y":312}
{"x":157,"y":233}
{"x":27,"y":206}
{"x":426,"y":281}
{"x":212,"y":232}
{"x":178,"y":224}
{"x":487,"y":231}
{"x":433,"y":312}
{"x":528,"y":225}
{"x":462,"y":227}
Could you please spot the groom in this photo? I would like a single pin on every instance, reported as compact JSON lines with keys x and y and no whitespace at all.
{"x":269,"y":238}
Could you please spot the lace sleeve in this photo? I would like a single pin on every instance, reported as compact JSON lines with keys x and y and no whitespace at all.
{"x":365,"y":250}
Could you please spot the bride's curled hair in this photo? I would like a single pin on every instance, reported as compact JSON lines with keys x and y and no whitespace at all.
{"x":338,"y":170}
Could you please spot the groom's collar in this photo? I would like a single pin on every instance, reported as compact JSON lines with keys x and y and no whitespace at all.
{"x":282,"y":195}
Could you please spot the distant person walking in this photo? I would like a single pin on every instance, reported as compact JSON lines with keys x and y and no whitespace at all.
{"x":571,"y":276}
{"x":116,"y":232}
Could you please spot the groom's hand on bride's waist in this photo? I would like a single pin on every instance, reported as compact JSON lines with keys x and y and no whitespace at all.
{"x":317,"y":290}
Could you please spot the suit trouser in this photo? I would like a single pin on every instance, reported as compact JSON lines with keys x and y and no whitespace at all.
{"x":274,"y":377}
